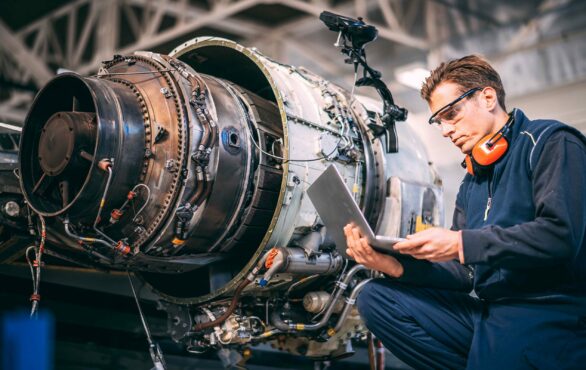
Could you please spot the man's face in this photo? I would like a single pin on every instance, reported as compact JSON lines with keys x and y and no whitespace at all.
{"x":464,"y":123}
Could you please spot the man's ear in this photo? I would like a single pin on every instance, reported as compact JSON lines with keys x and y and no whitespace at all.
{"x":490,"y":99}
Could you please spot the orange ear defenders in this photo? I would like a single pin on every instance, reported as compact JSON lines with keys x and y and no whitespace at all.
{"x":488,"y":151}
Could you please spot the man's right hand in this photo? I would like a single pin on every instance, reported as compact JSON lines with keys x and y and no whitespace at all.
{"x":362,"y":252}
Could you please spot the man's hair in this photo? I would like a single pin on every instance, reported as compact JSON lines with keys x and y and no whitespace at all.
{"x":469,"y":72}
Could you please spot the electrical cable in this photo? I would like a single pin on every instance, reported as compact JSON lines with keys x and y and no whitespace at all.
{"x":236,"y":297}
{"x":292,"y":160}
{"x":35,"y":267}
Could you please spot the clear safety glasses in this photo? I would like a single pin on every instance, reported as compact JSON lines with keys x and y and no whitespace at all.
{"x":449,"y":112}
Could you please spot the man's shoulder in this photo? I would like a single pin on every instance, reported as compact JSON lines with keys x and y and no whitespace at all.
{"x":550,"y":130}
{"x":541,"y":126}
{"x":548,"y":136}
{"x":569,"y":135}
{"x":545,"y":126}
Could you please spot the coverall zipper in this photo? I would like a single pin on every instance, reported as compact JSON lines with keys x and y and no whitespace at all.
{"x":489,"y":200}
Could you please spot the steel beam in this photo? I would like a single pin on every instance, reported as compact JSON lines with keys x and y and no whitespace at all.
{"x":21,"y":54}
{"x":384,"y":32}
{"x":217,"y":14}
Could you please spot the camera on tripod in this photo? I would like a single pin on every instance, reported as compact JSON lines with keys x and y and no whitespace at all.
{"x":359,"y":34}
{"x":355,"y":30}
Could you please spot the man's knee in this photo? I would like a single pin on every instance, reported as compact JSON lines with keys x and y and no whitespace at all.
{"x":365,"y":299}
{"x":377,"y":301}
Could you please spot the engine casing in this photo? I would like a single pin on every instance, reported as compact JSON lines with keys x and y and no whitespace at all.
{"x":188,"y":169}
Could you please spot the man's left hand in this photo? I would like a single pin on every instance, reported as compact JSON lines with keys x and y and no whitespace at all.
{"x":435,"y":245}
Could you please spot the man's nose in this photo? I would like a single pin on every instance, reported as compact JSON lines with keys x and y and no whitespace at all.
{"x":447,"y":129}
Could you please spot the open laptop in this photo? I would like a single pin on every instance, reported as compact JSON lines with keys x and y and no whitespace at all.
{"x":336,"y":207}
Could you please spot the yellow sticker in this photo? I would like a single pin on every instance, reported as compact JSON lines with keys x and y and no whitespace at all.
{"x":420,"y":226}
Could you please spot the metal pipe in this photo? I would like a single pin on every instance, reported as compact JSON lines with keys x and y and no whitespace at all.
{"x":352,"y":272}
{"x":349,"y":303}
{"x":84,"y":238}
{"x":148,"y":198}
{"x":305,"y":279}
{"x":129,"y":198}
{"x":194,"y":197}
{"x":267,"y":334}
{"x":207,"y":189}
{"x":297,"y":260}
{"x":342,"y":284}
{"x":279,"y":323}
{"x":103,"y":202}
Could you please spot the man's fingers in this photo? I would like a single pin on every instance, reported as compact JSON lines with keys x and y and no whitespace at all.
{"x":355,"y":233}
{"x":348,"y":230}
{"x":407,"y":244}
{"x":366,"y":248}
{"x":350,"y":240}
{"x":350,"y":253}
{"x":419,"y":253}
{"x":424,"y":252}
{"x":416,"y":240}
{"x":418,"y":250}
{"x":361,"y":245}
{"x":358,"y":247}
{"x":361,"y":250}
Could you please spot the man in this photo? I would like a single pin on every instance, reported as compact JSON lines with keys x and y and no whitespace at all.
{"x":518,"y":239}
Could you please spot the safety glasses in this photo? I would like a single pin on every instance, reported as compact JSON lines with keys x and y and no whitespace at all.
{"x":450,"y":111}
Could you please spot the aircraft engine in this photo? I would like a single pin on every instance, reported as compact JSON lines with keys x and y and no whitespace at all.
{"x":190,"y":170}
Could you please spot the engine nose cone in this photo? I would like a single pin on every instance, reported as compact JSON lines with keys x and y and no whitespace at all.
{"x":56,"y":144}
{"x":61,"y":135}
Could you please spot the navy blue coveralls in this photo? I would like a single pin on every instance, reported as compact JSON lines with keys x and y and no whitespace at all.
{"x":523,"y":230}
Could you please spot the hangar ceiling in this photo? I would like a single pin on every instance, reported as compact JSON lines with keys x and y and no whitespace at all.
{"x":535,"y":44}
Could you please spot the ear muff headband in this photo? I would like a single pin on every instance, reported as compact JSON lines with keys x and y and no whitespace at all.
{"x":488,"y":151}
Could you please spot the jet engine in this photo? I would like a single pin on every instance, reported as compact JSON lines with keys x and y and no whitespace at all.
{"x":190,"y":169}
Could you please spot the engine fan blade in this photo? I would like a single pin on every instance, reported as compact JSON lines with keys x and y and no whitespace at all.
{"x":87,"y":156}
{"x":74,"y":104}
{"x":40,"y":183}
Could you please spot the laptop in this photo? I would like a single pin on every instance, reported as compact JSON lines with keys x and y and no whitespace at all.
{"x":337,"y":208}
